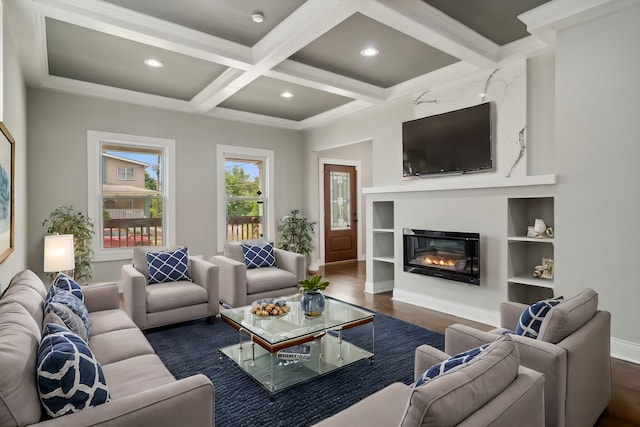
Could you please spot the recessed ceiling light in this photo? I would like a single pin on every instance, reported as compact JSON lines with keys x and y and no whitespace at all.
{"x":369,"y":51}
{"x":153,"y":63}
{"x":286,"y":94}
{"x":257,"y":17}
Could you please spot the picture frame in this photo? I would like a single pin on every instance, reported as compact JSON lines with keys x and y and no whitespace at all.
{"x":7,"y":174}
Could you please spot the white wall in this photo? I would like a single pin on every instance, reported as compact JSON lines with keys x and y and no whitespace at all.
{"x":596,"y":157}
{"x":58,"y":125}
{"x":14,"y":117}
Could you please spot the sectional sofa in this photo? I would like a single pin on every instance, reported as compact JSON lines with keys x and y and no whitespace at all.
{"x":142,"y":390}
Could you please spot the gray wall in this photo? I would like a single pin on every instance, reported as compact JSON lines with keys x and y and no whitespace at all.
{"x":596,"y":156}
{"x":57,"y":163}
{"x":14,"y":116}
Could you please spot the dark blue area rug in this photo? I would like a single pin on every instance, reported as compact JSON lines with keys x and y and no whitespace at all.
{"x":192,"y":347}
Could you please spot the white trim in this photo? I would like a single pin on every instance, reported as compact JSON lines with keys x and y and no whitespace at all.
{"x":95,"y":139}
{"x":268,"y":156}
{"x":322,"y":161}
{"x":488,"y":317}
{"x":378,"y":287}
{"x":625,"y":350}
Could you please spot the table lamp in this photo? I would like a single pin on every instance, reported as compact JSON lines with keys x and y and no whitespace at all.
{"x":59,"y":253}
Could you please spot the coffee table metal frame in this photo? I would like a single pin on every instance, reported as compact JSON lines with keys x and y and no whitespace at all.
{"x":323,"y":335}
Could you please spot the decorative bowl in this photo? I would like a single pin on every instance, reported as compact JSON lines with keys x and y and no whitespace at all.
{"x":269,"y":308}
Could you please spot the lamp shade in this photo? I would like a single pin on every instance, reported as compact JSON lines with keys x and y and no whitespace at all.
{"x":59,"y":254}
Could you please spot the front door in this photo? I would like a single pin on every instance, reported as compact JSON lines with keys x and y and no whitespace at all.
{"x":340,"y":216}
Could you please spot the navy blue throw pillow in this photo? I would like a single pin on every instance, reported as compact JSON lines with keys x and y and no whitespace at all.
{"x":446,"y":365}
{"x":259,"y":256}
{"x":532,"y":317}
{"x":64,"y":283}
{"x":168,"y":266}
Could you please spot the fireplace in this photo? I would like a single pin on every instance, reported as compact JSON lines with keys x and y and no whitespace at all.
{"x":446,"y":254}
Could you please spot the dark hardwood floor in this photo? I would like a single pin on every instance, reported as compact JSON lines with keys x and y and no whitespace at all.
{"x":347,"y":283}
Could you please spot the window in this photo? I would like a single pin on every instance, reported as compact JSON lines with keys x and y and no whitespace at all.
{"x":245,"y":180}
{"x":140,"y":211}
{"x":125,"y":174}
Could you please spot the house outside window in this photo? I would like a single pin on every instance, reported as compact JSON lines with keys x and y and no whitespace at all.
{"x":245,"y":183}
{"x":131,"y":194}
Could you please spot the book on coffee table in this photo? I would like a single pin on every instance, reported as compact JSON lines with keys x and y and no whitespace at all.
{"x":297,"y":352}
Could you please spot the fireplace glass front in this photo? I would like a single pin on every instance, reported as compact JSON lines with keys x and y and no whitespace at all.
{"x":445,"y":254}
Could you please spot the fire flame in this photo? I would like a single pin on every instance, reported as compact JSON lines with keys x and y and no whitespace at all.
{"x":438,"y":261}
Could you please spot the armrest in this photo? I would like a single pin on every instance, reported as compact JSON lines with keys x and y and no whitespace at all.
{"x":206,"y":275}
{"x":134,"y":295}
{"x":101,"y":297}
{"x":425,"y":357}
{"x":187,"y":402}
{"x":510,"y":313}
{"x":292,"y":262}
{"x":459,"y":338}
{"x":233,"y":280}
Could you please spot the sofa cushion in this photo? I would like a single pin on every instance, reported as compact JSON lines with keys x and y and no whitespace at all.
{"x":19,"y":340}
{"x":63,"y":315}
{"x":27,"y":290}
{"x":168,"y":266}
{"x":150,"y":373}
{"x":74,"y":303}
{"x":110,"y":320}
{"x":532,"y":317}
{"x":119,"y":345}
{"x":65,"y":283}
{"x":267,"y":279}
{"x":566,"y":318}
{"x":453,"y":396}
{"x":459,"y":360}
{"x":170,"y":295}
{"x":256,"y":256}
{"x":69,"y":376}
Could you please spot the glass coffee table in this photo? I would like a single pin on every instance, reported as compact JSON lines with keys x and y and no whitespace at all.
{"x":280,"y":352}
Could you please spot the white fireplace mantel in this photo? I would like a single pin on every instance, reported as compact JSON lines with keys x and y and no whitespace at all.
{"x":428,"y":184}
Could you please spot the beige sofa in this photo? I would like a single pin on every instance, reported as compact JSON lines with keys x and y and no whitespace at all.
{"x":240,"y":286}
{"x":572,"y":350}
{"x":172,"y":302}
{"x":143,"y":391}
{"x":491,"y":390}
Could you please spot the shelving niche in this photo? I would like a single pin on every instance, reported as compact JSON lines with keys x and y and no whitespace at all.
{"x":524,"y":253}
{"x":383,"y":243}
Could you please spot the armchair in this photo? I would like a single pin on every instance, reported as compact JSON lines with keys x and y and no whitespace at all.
{"x":491,"y":390}
{"x":572,"y":350}
{"x":160,"y":304}
{"x":240,"y":286}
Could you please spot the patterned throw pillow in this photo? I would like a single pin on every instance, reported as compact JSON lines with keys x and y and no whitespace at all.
{"x":67,"y":299}
{"x":168,"y":266}
{"x":68,"y":374}
{"x":63,"y":315}
{"x":532,"y":317}
{"x":66,"y":283}
{"x":259,"y":256}
{"x":452,"y":362}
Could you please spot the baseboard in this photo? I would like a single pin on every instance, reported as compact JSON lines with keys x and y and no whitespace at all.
{"x":625,"y":350}
{"x":378,"y":287}
{"x":465,"y":311}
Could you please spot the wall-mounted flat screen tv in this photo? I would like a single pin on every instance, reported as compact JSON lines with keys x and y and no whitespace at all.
{"x":459,"y":141}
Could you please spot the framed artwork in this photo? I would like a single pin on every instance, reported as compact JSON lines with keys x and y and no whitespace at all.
{"x":7,"y":164}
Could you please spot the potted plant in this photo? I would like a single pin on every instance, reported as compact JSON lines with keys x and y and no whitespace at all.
{"x":66,"y":220}
{"x":296,"y":233}
{"x":312,"y":300}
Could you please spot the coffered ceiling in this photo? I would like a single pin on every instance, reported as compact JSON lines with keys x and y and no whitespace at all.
{"x":218,"y":62}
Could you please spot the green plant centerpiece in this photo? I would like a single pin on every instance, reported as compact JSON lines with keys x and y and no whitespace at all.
{"x":66,"y":220}
{"x":296,"y":233}
{"x":312,"y":300}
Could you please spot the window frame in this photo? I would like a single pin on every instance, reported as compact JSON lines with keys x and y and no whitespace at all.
{"x":126,"y":176}
{"x":95,"y":141}
{"x":267,"y":157}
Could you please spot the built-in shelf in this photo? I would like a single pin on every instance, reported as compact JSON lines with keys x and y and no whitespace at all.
{"x":532,"y":281}
{"x":388,"y":259}
{"x":462,"y":183}
{"x":382,"y":230}
{"x":383,"y":241}
{"x":531,"y":239}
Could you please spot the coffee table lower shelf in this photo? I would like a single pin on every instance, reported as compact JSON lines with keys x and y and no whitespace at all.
{"x":326,"y":354}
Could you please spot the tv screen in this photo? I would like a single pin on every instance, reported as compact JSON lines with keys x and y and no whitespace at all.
{"x":455,"y":142}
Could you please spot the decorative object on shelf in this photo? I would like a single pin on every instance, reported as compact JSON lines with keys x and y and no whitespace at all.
{"x":296,"y":234}
{"x":270,"y":307}
{"x":59,"y":254}
{"x":544,"y":271}
{"x":539,"y":229}
{"x":7,"y":157}
{"x":312,"y":300}
{"x":66,"y":220}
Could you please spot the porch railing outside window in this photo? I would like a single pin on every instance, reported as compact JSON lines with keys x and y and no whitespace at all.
{"x":244,"y":227}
